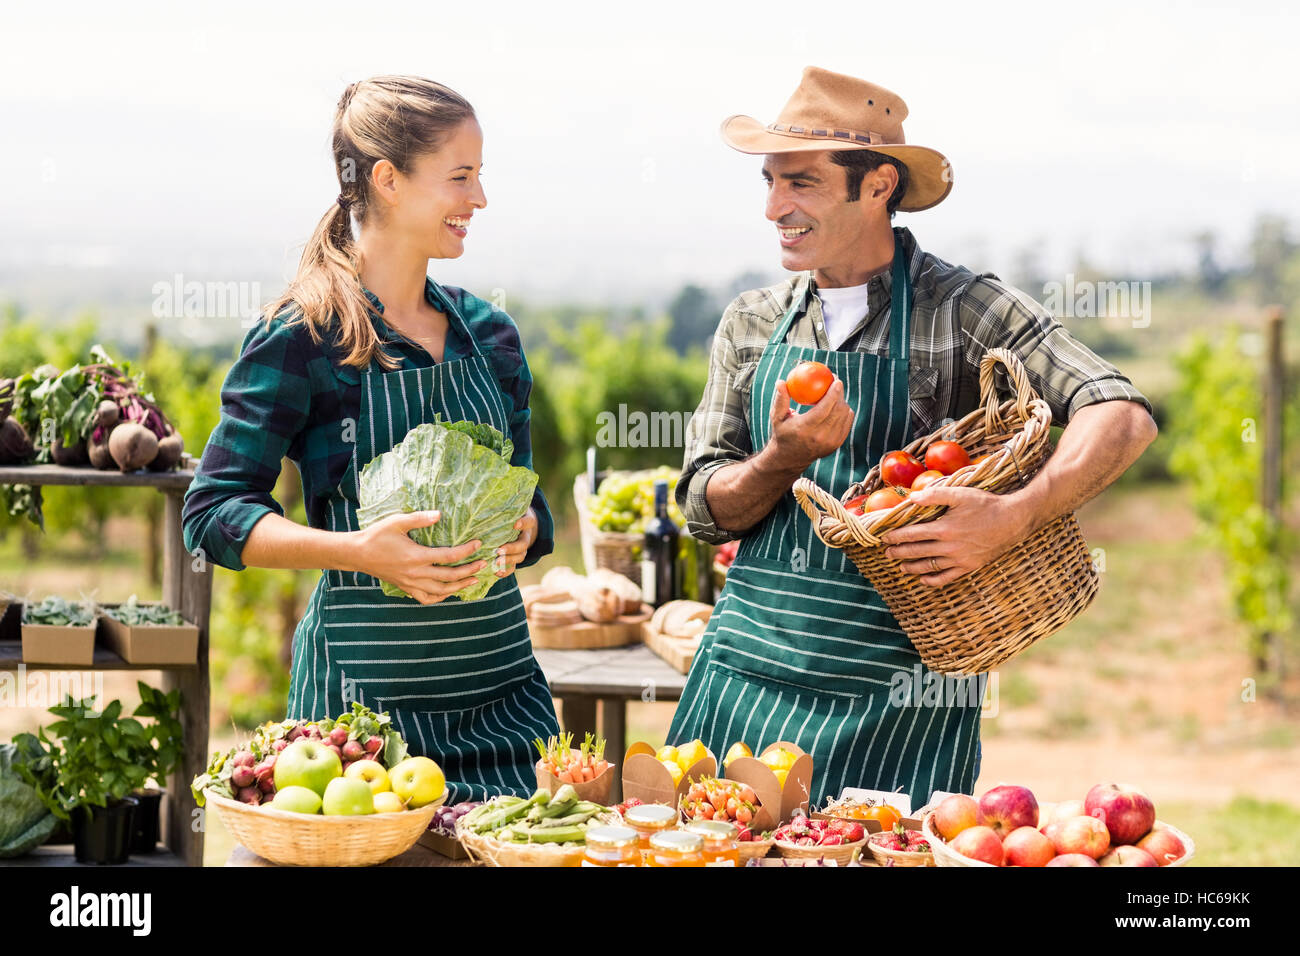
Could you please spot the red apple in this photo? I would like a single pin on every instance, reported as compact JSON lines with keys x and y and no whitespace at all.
{"x":1065,"y":810}
{"x":1127,"y":812}
{"x":1163,"y":844}
{"x":1050,"y":830}
{"x":1008,"y":807}
{"x":1126,"y":855}
{"x":979,"y":843}
{"x":1072,"y":859}
{"x":1086,"y":835}
{"x":956,"y":813}
{"x":1025,"y":846}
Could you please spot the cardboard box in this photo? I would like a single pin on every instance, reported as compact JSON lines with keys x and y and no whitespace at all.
{"x":51,"y":644}
{"x":449,"y":847}
{"x":902,"y":802}
{"x":151,"y":643}
{"x":597,"y":790}
{"x":649,"y":781}
{"x":781,"y":800}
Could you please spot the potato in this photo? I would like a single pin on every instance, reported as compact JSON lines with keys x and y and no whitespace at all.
{"x":132,"y":446}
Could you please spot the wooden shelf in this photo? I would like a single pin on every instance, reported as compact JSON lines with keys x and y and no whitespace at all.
{"x":59,"y":475}
{"x":62,"y":855}
{"x":11,"y":655}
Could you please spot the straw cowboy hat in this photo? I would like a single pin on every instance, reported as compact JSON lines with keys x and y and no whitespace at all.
{"x":834,"y":111}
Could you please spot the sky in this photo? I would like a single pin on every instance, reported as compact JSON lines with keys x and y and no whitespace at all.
{"x":149,"y":141}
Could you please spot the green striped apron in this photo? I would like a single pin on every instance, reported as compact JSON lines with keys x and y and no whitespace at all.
{"x":458,"y":678}
{"x":800,"y":647}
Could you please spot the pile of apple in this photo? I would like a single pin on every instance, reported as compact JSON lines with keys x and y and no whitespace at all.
{"x":1114,"y":825}
{"x":309,"y":778}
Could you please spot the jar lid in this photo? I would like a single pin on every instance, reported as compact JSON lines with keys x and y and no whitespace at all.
{"x":713,"y":830}
{"x":611,"y":837}
{"x":679,"y":841}
{"x":651,"y":814}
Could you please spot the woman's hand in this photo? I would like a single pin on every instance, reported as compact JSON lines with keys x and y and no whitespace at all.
{"x":511,"y":554}
{"x":427,"y":574}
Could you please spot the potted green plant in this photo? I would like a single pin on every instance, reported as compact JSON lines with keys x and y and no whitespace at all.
{"x":86,"y":772}
{"x":160,"y":755}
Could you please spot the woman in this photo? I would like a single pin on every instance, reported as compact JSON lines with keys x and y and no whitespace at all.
{"x":360,"y":324}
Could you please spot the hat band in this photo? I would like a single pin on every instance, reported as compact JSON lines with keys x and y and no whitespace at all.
{"x":809,"y":132}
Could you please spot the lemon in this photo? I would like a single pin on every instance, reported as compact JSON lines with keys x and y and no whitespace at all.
{"x":673,"y":769}
{"x":781,"y":774}
{"x":690,"y":754}
{"x":739,"y":749}
{"x":667,"y":752}
{"x":779,"y":759}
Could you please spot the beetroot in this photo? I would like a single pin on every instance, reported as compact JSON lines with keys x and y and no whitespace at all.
{"x":249,"y":795}
{"x":353,"y":751}
{"x":132,"y":446}
{"x":339,"y":736}
{"x":242,"y":777}
{"x":169,"y":452}
{"x":373,"y":744}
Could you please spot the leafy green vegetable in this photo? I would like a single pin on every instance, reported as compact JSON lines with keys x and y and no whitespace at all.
{"x":134,"y":614}
{"x":25,"y":822}
{"x":462,"y":470}
{"x":57,"y":612}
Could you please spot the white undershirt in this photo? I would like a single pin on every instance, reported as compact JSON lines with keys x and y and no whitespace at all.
{"x":843,"y":309}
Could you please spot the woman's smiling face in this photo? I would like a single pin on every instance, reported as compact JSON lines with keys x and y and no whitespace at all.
{"x":440,"y":192}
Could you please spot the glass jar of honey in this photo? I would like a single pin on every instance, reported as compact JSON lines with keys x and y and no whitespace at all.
{"x":612,"y":846}
{"x":649,"y":819}
{"x":720,"y":846}
{"x":676,"y":848}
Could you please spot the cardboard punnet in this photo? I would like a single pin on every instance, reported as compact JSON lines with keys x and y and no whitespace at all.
{"x":596,"y":790}
{"x":151,"y":643}
{"x":794,"y":795}
{"x":449,"y":847}
{"x":52,"y":644}
{"x":649,"y":781}
{"x":769,"y":797}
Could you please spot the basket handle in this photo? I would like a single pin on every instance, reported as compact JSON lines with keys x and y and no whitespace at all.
{"x":1024,"y":392}
{"x":814,"y":500}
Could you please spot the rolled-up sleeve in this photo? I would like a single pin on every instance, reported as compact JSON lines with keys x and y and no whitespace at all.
{"x":265,"y":404}
{"x":1065,"y":372}
{"x":717,"y":435}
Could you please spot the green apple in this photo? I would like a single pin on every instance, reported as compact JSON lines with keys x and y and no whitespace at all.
{"x":347,"y":797}
{"x":296,"y":800}
{"x":307,"y":763}
{"x":372,"y":772}
{"x":418,"y":781}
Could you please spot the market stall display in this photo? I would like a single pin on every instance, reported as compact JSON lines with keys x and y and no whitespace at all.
{"x":988,"y":616}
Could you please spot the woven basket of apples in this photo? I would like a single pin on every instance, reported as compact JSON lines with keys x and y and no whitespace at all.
{"x":339,"y":792}
{"x":1113,"y":825}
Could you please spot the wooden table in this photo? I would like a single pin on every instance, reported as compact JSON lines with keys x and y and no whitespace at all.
{"x":609,"y":677}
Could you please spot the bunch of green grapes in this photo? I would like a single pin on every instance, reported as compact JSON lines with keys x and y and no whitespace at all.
{"x":625,"y":500}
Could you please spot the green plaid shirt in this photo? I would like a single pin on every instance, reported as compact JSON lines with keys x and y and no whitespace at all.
{"x":956,"y":317}
{"x":287,"y":396}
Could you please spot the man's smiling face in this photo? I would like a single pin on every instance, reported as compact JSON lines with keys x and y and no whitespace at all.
{"x":807,"y":198}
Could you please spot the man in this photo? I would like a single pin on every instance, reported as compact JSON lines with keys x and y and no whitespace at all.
{"x":800,"y":646}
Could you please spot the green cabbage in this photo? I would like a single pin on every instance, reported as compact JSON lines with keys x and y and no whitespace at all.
{"x":25,"y":822}
{"x":461,"y":469}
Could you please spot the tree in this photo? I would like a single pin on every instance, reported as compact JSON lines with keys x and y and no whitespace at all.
{"x":694,"y":315}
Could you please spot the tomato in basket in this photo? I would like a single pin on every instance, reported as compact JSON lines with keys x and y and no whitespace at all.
{"x":946,"y":457}
{"x":900,"y":468}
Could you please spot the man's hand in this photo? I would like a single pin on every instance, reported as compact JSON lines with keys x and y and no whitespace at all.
{"x":801,"y":438}
{"x":511,"y":554}
{"x":977,"y":527}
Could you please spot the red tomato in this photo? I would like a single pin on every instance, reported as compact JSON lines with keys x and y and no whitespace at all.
{"x":926,"y":478}
{"x":946,"y":457}
{"x":884,"y":498}
{"x":854,"y":504}
{"x":809,"y":382}
{"x":900,"y":468}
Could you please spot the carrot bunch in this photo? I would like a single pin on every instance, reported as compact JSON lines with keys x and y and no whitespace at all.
{"x":568,"y":765}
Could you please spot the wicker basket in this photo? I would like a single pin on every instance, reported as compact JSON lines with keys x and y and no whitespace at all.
{"x":484,"y":849}
{"x":615,"y":550}
{"x":945,"y":856}
{"x":755,"y":849}
{"x":842,"y":854}
{"x":988,"y":616}
{"x":306,"y":839}
{"x":887,"y":857}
